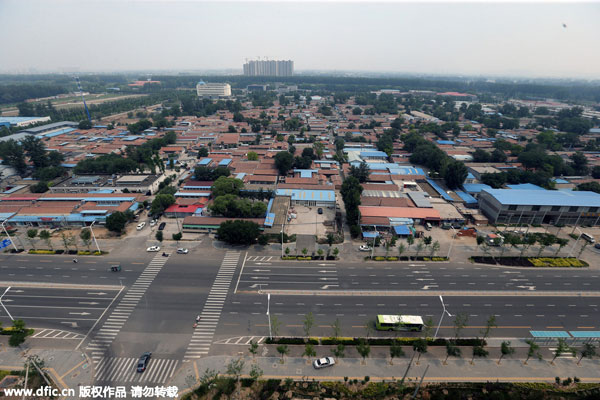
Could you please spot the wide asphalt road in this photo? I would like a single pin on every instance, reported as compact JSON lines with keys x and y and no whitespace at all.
{"x":270,"y":273}
{"x":246,"y":315}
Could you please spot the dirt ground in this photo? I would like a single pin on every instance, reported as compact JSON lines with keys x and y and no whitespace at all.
{"x":309,"y":221}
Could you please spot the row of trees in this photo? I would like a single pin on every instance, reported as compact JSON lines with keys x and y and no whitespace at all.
{"x":512,"y":240}
{"x":68,"y":240}
{"x":421,"y":345}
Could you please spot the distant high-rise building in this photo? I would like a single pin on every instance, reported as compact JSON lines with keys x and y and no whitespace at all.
{"x":213,"y":90}
{"x":269,"y":68}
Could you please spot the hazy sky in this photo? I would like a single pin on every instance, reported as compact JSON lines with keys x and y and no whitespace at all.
{"x":439,"y":38}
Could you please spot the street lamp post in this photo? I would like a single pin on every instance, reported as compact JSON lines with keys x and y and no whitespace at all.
{"x":94,"y":236}
{"x":441,"y":318}
{"x":281,"y":241}
{"x":9,"y":238}
{"x":2,"y":304}
{"x":269,"y":314}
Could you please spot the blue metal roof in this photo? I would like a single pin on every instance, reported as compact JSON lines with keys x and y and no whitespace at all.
{"x":270,"y":219}
{"x":585,"y":334}
{"x":373,"y":153}
{"x":444,"y":141}
{"x":441,"y":191}
{"x":405,"y":170}
{"x":547,"y":198}
{"x":402,"y":230}
{"x":466,"y":197}
{"x":312,"y":195}
{"x":205,"y":161}
{"x":525,"y":186}
{"x":549,"y":334}
{"x":559,"y":180}
{"x":16,"y":120}
{"x":56,"y":133}
{"x":475,"y":187}
{"x":370,"y":234}
{"x":225,"y":162}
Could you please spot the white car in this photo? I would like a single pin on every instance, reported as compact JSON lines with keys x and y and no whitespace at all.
{"x":323,"y":362}
{"x":182,"y":251}
{"x":141,"y":226}
{"x":153,"y":222}
{"x":364,"y":247}
{"x":153,"y":248}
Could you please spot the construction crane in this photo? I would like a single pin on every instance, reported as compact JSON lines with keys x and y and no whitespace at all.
{"x":83,"y":98}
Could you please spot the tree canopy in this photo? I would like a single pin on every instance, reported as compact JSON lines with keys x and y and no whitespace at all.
{"x":238,"y":232}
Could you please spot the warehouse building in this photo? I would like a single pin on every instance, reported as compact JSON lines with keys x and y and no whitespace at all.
{"x":513,"y":206}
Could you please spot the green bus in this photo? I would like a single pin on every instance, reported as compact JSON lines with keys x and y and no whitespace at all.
{"x":399,"y":323}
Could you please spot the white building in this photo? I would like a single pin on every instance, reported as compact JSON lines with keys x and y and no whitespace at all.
{"x":213,"y":90}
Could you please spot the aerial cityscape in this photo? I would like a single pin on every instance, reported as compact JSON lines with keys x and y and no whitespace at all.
{"x":409,"y":210}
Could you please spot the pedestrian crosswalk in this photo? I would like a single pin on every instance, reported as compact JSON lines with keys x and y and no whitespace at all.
{"x":56,"y":334}
{"x":104,"y":337}
{"x":124,"y":370}
{"x":242,"y":340}
{"x":211,"y":313}
{"x":261,"y":258}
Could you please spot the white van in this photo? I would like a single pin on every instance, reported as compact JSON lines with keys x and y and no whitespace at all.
{"x":587,"y":237}
{"x":141,"y":226}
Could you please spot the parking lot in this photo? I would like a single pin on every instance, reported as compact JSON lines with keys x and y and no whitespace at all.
{"x":308,"y":221}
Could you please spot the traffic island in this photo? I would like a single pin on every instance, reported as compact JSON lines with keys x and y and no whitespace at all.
{"x":535,"y":262}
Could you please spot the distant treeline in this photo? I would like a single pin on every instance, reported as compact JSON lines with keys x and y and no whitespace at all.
{"x":561,"y":91}
{"x":15,"y":93}
{"x":15,"y":88}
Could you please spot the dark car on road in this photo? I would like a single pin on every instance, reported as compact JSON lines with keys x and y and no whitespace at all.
{"x":162,"y":226}
{"x":143,"y":362}
{"x":320,"y":211}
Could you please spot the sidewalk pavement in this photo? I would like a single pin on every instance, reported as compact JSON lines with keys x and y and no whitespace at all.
{"x":67,"y":368}
{"x":456,"y":370}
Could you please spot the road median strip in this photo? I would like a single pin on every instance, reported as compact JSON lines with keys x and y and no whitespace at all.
{"x":431,"y":293}
{"x":50,"y":285}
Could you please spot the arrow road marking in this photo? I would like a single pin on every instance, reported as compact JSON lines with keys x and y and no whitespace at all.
{"x":258,"y":277}
{"x":328,"y":279}
{"x":91,"y":303}
{"x":79,"y":313}
{"x":328,"y":286}
{"x":326,"y":265}
{"x":426,"y":287}
{"x":527,"y":287}
{"x":261,"y":270}
{"x":258,"y":284}
{"x":420,"y":272}
{"x":98,"y":293}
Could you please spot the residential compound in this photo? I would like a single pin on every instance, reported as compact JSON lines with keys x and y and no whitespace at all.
{"x":398,"y":198}
{"x":269,"y":68}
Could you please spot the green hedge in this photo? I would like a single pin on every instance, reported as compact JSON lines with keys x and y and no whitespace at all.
{"x":9,"y":331}
{"x":291,"y":340}
{"x":349,"y":341}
